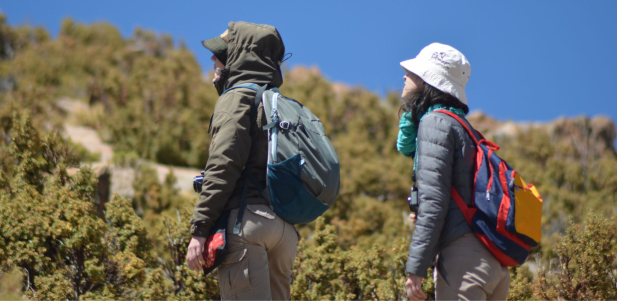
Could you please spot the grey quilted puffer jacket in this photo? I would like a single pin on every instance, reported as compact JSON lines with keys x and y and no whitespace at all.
{"x":445,"y":157}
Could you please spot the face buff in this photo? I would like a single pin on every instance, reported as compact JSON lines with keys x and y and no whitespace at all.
{"x":407,"y":136}
{"x":219,"y":82}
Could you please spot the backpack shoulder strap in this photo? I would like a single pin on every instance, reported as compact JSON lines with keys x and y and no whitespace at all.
{"x":260,"y":91}
{"x":477,"y":137}
{"x":247,"y":86}
{"x":251,"y":86}
{"x":258,"y":98}
{"x":470,"y":130}
{"x":249,"y":177}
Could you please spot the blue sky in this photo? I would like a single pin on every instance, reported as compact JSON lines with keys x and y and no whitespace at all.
{"x":531,"y":60}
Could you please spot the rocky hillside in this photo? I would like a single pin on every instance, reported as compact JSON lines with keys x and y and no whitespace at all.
{"x":596,"y":135}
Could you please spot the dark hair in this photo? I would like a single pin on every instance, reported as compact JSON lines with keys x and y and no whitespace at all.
{"x":420,"y":100}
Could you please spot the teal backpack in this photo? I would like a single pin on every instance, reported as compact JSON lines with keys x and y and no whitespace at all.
{"x":303,"y":173}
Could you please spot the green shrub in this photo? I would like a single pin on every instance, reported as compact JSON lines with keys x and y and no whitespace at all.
{"x":584,"y":265}
{"x":52,"y":232}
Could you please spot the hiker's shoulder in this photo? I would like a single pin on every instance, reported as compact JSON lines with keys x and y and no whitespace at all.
{"x":440,"y":120}
{"x":435,"y":123}
{"x":231,"y":100}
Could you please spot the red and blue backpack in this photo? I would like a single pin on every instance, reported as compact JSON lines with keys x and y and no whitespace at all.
{"x":506,"y":212}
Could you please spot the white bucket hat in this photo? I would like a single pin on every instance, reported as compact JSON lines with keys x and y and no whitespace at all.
{"x":442,"y":67}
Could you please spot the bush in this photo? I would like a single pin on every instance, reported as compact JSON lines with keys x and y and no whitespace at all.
{"x":51,"y":231}
{"x":584,"y":265}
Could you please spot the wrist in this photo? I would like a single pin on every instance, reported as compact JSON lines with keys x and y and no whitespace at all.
{"x":200,"y":239}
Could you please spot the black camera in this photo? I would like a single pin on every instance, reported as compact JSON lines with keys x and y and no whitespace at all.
{"x":198,"y":181}
{"x":413,"y":199}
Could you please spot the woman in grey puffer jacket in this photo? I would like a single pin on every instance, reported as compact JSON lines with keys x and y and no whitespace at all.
{"x":443,"y":157}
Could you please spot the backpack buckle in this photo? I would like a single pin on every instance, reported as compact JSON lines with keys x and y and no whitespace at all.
{"x":285,"y":125}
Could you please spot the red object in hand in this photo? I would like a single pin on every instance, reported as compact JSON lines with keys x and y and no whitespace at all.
{"x":214,"y":252}
{"x":212,"y":244}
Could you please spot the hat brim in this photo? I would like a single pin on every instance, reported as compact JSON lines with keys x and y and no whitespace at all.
{"x":435,"y":78}
{"x":218,"y":46}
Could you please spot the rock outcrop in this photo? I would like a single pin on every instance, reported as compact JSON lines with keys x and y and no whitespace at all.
{"x":595,"y":135}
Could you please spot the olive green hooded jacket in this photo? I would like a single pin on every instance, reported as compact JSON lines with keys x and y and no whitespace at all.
{"x":254,"y":56}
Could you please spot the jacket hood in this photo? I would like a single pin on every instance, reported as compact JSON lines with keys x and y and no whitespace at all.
{"x":254,"y":55}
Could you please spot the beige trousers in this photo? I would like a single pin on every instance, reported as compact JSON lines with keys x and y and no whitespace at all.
{"x":466,"y":270}
{"x":260,"y":259}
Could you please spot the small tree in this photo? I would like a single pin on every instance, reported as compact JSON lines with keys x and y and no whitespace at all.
{"x":50,"y":229}
{"x":324,"y":271}
{"x":584,"y":267}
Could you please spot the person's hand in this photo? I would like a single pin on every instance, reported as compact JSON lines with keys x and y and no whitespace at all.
{"x":413,"y":288}
{"x":413,"y":217}
{"x":194,"y":254}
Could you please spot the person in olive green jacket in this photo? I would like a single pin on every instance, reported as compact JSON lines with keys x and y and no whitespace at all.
{"x":259,"y":259}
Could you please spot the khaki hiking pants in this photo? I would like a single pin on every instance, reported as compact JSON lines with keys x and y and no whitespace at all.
{"x":466,"y":270}
{"x":260,"y":259}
